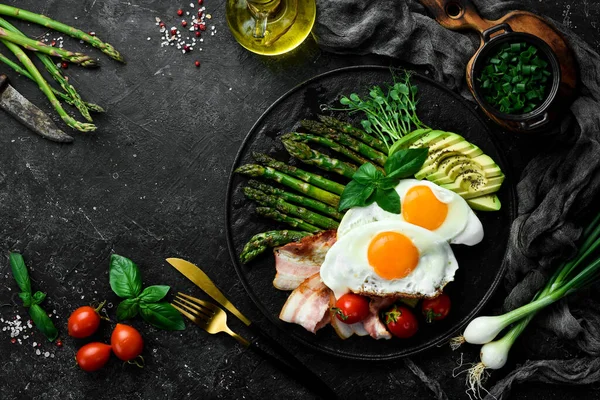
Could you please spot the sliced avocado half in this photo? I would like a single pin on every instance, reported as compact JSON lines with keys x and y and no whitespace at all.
{"x":487,"y":202}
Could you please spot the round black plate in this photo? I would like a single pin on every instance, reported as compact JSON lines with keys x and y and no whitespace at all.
{"x":480,"y":266}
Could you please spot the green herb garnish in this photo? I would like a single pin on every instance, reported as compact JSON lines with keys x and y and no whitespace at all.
{"x":39,"y":317}
{"x":126,"y":282}
{"x":391,"y":114}
{"x":370,"y":185}
{"x":515,"y":79}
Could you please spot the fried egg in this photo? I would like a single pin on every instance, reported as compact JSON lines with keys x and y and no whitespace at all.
{"x":427,"y":205}
{"x":389,"y":258}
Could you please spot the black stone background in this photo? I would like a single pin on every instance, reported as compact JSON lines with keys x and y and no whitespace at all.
{"x":151,"y":184}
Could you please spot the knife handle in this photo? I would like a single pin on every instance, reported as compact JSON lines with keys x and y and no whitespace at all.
{"x":301,"y":372}
{"x":304,"y":375}
{"x":3,"y":83}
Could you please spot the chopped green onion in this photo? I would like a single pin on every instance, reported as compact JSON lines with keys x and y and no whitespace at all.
{"x":514,"y":78}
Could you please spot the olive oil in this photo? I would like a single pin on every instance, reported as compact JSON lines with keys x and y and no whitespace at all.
{"x":270,"y":27}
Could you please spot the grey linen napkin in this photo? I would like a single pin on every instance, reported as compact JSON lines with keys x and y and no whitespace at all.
{"x":556,"y":191}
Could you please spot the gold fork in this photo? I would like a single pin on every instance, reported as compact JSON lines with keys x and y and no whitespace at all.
{"x":213,"y":319}
{"x":206,"y":315}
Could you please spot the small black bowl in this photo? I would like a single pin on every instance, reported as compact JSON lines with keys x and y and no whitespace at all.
{"x":540,"y":116}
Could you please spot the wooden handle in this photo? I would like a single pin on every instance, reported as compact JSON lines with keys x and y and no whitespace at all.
{"x":3,"y":83}
{"x":457,"y":14}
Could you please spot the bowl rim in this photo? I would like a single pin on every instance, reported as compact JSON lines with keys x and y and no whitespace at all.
{"x":548,"y":52}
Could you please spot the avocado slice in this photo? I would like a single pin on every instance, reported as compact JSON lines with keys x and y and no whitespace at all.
{"x":470,"y":189}
{"x":436,"y":157}
{"x":408,"y":140}
{"x":488,"y":202}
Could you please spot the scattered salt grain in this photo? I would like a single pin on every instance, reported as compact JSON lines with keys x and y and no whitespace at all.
{"x":38,"y":352}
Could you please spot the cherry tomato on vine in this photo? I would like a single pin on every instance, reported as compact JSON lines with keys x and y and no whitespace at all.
{"x":126,"y":342}
{"x":436,"y":309}
{"x":83,"y":322}
{"x":93,"y":356}
{"x":351,"y":308}
{"x":400,"y":321}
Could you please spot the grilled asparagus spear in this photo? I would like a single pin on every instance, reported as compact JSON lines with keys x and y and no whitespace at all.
{"x":290,"y":209}
{"x":294,"y":222}
{"x":357,"y":133}
{"x":262,"y":241}
{"x":297,"y":199}
{"x":312,"y":157}
{"x":306,"y":176}
{"x":325,"y":141}
{"x":257,"y":171}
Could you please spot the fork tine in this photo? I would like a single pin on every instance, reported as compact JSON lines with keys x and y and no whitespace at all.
{"x":208,"y":313}
{"x":191,"y":317}
{"x":200,"y":318}
{"x":206,"y":304}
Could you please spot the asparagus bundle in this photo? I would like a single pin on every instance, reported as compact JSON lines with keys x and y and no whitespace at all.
{"x":312,"y":157}
{"x":357,"y":133}
{"x":288,"y":208}
{"x":257,"y":171}
{"x":65,"y":97}
{"x":297,"y":199}
{"x":279,"y":204}
{"x":262,"y":241}
{"x":17,"y":42}
{"x":306,"y":176}
{"x":325,"y":141}
{"x":36,"y":45}
{"x":367,"y":150}
{"x":280,"y":217}
{"x":60,"y":27}
{"x":56,"y":74}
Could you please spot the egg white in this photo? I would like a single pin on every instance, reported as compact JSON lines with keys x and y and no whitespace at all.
{"x":346,"y":267}
{"x":460,"y":227}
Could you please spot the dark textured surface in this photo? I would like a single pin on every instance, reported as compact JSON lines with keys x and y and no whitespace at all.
{"x":150,"y":184}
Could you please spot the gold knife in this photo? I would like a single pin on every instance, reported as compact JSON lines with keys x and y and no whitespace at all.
{"x":196,"y":275}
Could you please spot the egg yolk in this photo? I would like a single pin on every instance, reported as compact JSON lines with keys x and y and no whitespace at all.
{"x":392,"y":255}
{"x":421,"y":207}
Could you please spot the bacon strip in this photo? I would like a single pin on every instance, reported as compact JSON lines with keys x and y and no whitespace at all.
{"x":308,"y":305}
{"x":297,"y":261}
{"x":373,"y":323}
{"x":344,"y":331}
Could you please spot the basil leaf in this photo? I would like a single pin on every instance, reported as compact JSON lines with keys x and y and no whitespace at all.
{"x":405,"y":162}
{"x":38,"y":297}
{"x":154,"y":293}
{"x":355,"y":195}
{"x":27,"y":299}
{"x":366,"y":174}
{"x":388,"y":183}
{"x":124,"y":275}
{"x":389,"y":200}
{"x":20,"y":273}
{"x":43,"y":322}
{"x":128,"y":309}
{"x":163,"y":316}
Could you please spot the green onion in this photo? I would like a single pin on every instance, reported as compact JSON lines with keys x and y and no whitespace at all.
{"x":515,"y":68}
{"x":578,"y":273}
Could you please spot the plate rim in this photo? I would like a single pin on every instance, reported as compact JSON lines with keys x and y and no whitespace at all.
{"x":341,"y":353}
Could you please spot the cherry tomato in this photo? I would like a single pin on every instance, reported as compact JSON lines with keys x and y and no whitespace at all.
{"x":351,"y":308}
{"x":436,"y":308}
{"x":93,"y":356}
{"x":126,"y":342}
{"x":83,"y":322}
{"x":401,"y":322}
